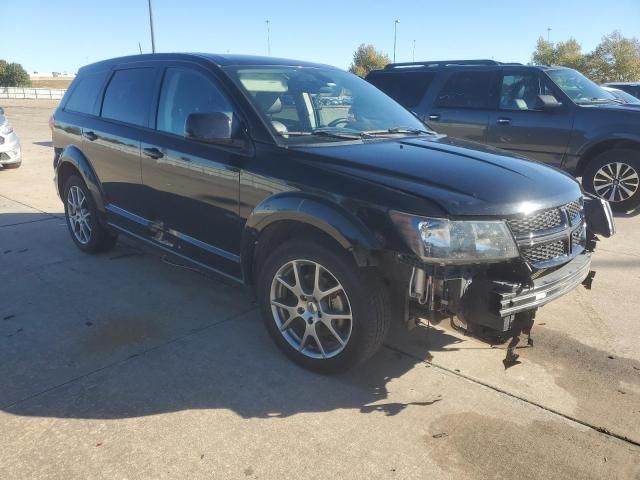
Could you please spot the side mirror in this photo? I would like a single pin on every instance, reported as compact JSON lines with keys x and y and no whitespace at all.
{"x":214,"y":127}
{"x":547,"y":103}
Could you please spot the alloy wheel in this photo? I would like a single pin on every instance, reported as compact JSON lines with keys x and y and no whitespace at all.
{"x":79,"y":215}
{"x":616,"y":182}
{"x":311,"y":309}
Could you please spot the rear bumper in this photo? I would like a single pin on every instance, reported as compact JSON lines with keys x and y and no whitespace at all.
{"x":545,"y":289}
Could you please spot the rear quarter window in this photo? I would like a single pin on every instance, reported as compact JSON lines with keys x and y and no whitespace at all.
{"x":406,"y":88}
{"x":84,"y":94}
{"x":128,"y":96}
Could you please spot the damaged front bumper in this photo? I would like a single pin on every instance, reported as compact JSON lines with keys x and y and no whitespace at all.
{"x":495,"y":298}
{"x":511,"y":299}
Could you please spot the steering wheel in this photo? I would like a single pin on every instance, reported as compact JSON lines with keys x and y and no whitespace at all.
{"x":338,"y":121}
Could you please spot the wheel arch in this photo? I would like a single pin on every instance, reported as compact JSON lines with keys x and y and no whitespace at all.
{"x":73,"y":161}
{"x":602,"y":146}
{"x":281,"y":217}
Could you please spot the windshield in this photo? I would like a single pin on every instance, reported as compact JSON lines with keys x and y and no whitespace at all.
{"x":306,"y":105}
{"x":578,"y":87}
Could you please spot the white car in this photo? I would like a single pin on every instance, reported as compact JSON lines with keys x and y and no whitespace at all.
{"x":10,"y":151}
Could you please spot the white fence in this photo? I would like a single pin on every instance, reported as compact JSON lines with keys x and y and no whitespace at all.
{"x":33,"y":93}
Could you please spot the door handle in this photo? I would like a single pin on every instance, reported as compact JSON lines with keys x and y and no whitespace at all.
{"x":153,"y":153}
{"x":434,"y":116}
{"x":90,"y":136}
{"x":504,"y":121}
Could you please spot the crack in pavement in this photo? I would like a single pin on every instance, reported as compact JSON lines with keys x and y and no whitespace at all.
{"x":602,"y":430}
{"x":32,"y":207}
{"x":49,"y":217}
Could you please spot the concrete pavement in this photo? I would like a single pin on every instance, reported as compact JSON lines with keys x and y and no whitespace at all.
{"x":123,"y":366}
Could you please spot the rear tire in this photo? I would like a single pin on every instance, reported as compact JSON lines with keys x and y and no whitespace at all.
{"x":350,"y":323}
{"x":81,"y":214}
{"x":614,"y":175}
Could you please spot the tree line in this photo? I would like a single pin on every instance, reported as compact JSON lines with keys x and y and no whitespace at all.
{"x":615,"y":59}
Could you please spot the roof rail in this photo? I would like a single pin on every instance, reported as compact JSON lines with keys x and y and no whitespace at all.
{"x":441,"y":63}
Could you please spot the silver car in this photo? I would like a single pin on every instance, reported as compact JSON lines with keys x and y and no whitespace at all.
{"x":10,"y":151}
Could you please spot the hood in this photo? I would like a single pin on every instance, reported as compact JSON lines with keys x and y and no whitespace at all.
{"x":614,"y":107}
{"x":464,"y":178}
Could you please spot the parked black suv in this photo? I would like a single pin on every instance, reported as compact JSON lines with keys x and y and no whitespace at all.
{"x":324,"y":194}
{"x":547,"y":113}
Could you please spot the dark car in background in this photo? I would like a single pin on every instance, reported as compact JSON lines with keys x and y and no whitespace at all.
{"x":322,"y":193}
{"x":623,"y":96}
{"x":632,"y":88}
{"x":547,"y":113}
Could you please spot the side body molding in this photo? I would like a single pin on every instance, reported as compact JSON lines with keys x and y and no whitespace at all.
{"x":71,"y":155}
{"x":332,"y":218}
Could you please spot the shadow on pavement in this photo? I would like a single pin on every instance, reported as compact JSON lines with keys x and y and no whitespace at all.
{"x":154,"y":343}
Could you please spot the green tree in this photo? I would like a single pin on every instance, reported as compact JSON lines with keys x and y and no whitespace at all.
{"x":13,"y":75}
{"x":367,"y":58}
{"x":544,"y":54}
{"x":615,"y":59}
{"x":569,"y":54}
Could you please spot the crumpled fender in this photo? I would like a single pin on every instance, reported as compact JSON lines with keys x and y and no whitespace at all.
{"x":331,"y":218}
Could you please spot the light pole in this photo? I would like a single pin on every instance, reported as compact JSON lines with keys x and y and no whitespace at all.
{"x":395,"y":38}
{"x":548,"y":32}
{"x":153,"y":40}
{"x":413,"y":54}
{"x":268,"y":22}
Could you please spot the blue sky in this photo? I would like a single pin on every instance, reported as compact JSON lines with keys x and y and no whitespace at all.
{"x":63,"y":35}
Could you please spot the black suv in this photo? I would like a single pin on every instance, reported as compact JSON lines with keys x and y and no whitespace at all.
{"x":324,"y":194}
{"x":551,"y":114}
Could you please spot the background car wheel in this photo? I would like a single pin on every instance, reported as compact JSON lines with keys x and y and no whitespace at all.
{"x":82,"y":219}
{"x":322,"y":310}
{"x":615,"y":176}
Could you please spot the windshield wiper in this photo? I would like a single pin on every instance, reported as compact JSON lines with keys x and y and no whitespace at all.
{"x":332,"y":133}
{"x":400,"y":130}
{"x":601,"y":100}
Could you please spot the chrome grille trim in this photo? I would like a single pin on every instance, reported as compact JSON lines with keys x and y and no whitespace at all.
{"x":552,"y":236}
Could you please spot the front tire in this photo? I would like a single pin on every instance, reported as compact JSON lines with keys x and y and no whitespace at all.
{"x":321,"y":309}
{"x":81,"y":214}
{"x":614,"y":175}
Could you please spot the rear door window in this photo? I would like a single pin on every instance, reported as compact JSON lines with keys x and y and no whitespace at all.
{"x":467,"y":90}
{"x":406,"y":88}
{"x":128,"y":96}
{"x":85,"y":93}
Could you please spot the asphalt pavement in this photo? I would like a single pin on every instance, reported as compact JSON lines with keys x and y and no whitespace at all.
{"x":122,"y":365}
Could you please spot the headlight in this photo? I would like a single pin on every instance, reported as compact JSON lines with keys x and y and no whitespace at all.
{"x":6,"y":128}
{"x":439,"y":240}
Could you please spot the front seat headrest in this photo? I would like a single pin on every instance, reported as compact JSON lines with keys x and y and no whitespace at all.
{"x":269,"y":102}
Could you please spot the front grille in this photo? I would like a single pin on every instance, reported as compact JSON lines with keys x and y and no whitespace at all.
{"x":545,"y":220}
{"x":4,"y":156}
{"x":573,"y":208}
{"x":577,"y":239}
{"x":544,"y":252}
{"x":549,"y":237}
